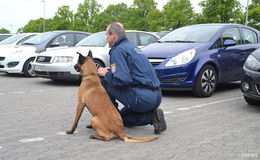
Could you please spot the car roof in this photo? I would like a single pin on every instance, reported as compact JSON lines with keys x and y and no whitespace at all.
{"x":69,"y":31}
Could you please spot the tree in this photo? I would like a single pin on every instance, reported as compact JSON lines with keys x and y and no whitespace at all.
{"x":138,"y":13}
{"x":34,"y":26}
{"x":63,"y":19}
{"x":178,"y":13}
{"x":113,"y":13}
{"x":86,"y":14}
{"x":254,"y":14}
{"x":221,"y":11}
{"x":155,"y":21}
{"x":3,"y":30}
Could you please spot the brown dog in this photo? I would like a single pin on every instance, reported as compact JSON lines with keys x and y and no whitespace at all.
{"x":106,"y":119}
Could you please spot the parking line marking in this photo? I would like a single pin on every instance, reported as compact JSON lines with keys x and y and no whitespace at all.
{"x":2,"y":94}
{"x":37,"y":139}
{"x":167,"y":112}
{"x":40,"y":90}
{"x":19,"y":92}
{"x":1,"y":147}
{"x":206,"y":104}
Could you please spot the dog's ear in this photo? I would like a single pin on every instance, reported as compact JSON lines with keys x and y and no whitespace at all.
{"x":90,"y":54}
{"x":81,"y":59}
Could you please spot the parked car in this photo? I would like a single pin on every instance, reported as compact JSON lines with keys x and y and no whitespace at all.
{"x":4,"y":36}
{"x":59,"y":64}
{"x":20,"y":59}
{"x":16,"y":39}
{"x":250,"y":83}
{"x":197,"y":57}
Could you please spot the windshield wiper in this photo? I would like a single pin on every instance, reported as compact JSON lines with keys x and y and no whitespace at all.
{"x":179,"y":41}
{"x":28,"y":43}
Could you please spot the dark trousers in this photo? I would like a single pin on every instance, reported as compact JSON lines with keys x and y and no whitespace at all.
{"x":138,"y":103}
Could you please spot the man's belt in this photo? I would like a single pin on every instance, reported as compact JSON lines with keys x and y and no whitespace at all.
{"x":147,"y":87}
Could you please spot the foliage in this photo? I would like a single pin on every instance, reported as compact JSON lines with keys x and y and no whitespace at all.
{"x":3,"y":30}
{"x":143,"y":15}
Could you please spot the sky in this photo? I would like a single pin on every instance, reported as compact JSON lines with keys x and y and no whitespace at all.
{"x":15,"y":14}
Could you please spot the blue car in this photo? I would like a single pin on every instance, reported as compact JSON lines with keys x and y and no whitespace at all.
{"x":197,"y":57}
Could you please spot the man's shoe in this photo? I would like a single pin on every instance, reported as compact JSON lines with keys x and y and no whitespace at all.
{"x":158,"y":121}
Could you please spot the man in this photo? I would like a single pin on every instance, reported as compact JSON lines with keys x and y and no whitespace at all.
{"x":132,"y":81}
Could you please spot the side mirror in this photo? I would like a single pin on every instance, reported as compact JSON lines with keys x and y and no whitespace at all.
{"x":55,"y":44}
{"x":228,"y":43}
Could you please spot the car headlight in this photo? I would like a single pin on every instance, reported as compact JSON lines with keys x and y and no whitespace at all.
{"x":252,"y":63}
{"x":62,"y":59}
{"x":182,"y":58}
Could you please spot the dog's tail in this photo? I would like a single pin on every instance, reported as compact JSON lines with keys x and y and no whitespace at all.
{"x":125,"y":137}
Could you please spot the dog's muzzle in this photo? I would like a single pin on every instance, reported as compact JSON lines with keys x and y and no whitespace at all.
{"x":76,"y":68}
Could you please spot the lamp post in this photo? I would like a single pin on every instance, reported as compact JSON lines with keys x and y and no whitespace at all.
{"x":43,"y":15}
{"x":247,"y":12}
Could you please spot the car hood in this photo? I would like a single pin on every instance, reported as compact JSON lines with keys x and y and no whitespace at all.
{"x":167,"y":50}
{"x":11,"y":50}
{"x":71,"y":51}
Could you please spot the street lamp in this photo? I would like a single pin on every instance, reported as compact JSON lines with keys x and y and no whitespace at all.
{"x":247,"y":12}
{"x":43,"y":15}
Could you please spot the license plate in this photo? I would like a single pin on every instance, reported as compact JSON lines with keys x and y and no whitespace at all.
{"x":40,"y":68}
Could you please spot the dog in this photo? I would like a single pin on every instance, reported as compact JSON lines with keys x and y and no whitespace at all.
{"x":106,"y":119}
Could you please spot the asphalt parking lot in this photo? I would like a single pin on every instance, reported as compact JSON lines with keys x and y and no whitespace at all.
{"x":35,"y":112}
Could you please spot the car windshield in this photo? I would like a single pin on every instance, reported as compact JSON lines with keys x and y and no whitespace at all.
{"x":191,"y":34}
{"x":94,"y":40}
{"x":39,"y":38}
{"x":12,"y":39}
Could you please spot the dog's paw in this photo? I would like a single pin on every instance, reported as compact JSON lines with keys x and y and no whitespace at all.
{"x":92,"y":137}
{"x":89,"y":126}
{"x":69,"y":132}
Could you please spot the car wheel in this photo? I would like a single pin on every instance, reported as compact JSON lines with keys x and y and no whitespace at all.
{"x":98,"y":63}
{"x":28,"y":69}
{"x":251,"y":101}
{"x":206,"y":82}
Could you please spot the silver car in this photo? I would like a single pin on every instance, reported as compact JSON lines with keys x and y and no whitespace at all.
{"x":59,"y":64}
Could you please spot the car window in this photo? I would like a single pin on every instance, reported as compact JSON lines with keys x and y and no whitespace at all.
{"x":2,"y":37}
{"x":25,"y":38}
{"x":79,"y":37}
{"x":94,"y":40}
{"x":249,"y":36}
{"x":196,"y":33}
{"x":40,"y":38}
{"x":146,"y":39}
{"x":62,"y":40}
{"x":231,"y":34}
{"x":132,"y":37}
{"x":11,"y":39}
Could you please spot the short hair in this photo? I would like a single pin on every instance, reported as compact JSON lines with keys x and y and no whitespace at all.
{"x":117,"y":28}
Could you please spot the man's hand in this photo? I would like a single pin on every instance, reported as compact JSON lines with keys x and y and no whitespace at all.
{"x":102,"y":71}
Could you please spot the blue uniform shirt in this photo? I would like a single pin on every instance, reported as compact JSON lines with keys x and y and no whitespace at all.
{"x":129,"y":67}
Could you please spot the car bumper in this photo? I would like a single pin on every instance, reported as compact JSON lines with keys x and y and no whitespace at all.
{"x":252,"y":78}
{"x":178,"y":77}
{"x":11,"y":65}
{"x":62,"y":71}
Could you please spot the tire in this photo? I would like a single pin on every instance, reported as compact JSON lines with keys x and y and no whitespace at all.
{"x":28,"y":70}
{"x":98,"y":63}
{"x":251,"y":101}
{"x":206,"y":82}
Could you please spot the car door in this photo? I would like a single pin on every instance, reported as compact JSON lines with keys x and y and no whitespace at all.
{"x":229,"y":57}
{"x":61,"y":41}
{"x":132,"y":37}
{"x":250,"y":44}
{"x":146,"y":38}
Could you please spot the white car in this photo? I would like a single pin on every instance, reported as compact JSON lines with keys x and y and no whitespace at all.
{"x":59,"y":64}
{"x":19,"y":59}
{"x":16,"y":40}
